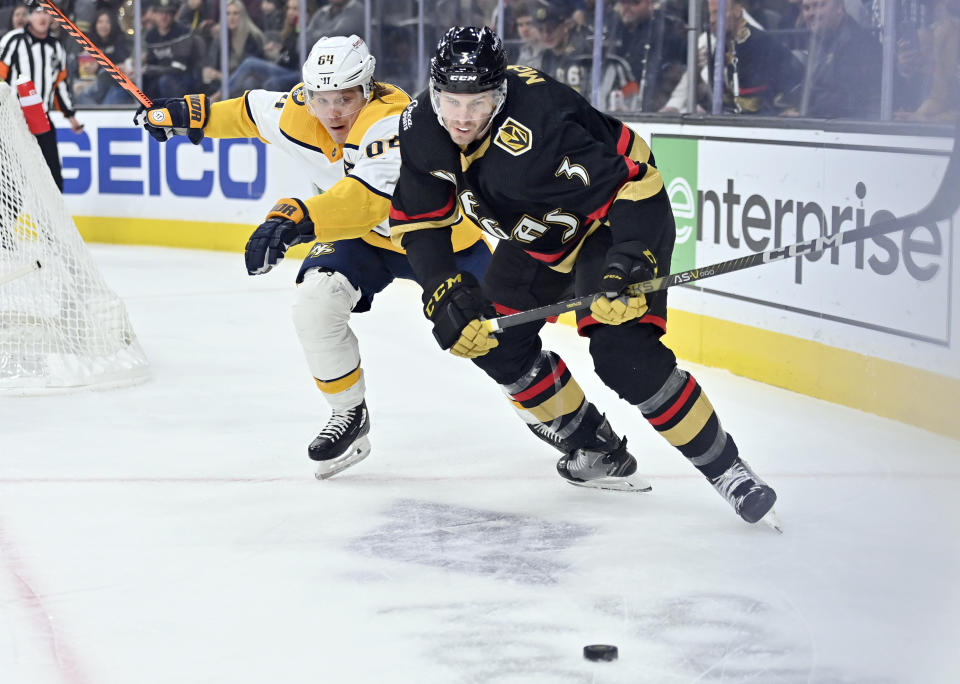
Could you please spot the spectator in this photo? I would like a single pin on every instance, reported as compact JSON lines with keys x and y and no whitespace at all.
{"x":511,"y":32}
{"x":654,"y":43}
{"x":110,"y":38}
{"x":280,"y":71}
{"x":584,"y":12}
{"x":581,"y":21}
{"x":173,"y":54}
{"x":245,"y":38}
{"x":843,"y":66}
{"x":198,"y":16}
{"x":562,"y":60}
{"x":273,"y":17}
{"x":254,"y":11}
{"x":759,"y":71}
{"x":337,"y":18}
{"x":16,"y":17}
{"x":531,"y":48}
{"x":399,"y":56}
{"x":35,"y":54}
{"x":933,"y":56}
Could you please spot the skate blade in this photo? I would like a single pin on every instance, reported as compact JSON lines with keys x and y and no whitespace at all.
{"x":633,"y":483}
{"x":772,"y":521}
{"x":358,"y":451}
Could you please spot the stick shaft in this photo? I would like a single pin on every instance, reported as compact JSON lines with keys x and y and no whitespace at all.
{"x":94,"y":51}
{"x":19,"y":272}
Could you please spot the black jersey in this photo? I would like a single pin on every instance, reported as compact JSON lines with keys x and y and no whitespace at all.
{"x":550,"y":171}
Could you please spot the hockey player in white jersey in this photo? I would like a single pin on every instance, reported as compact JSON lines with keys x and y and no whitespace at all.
{"x":343,"y":126}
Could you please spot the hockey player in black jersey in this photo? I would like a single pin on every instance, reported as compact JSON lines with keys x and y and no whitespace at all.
{"x":578,"y":205}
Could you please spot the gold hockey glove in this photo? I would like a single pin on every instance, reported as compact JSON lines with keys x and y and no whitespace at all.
{"x":287,"y":224}
{"x":628,"y":263}
{"x":456,"y":307}
{"x":170,"y":116}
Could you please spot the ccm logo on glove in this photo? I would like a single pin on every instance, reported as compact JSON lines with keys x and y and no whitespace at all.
{"x":441,"y":290}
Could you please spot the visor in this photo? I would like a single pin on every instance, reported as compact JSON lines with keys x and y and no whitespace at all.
{"x":334,"y":104}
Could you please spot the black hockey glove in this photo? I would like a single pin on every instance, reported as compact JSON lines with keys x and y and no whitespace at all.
{"x":287,"y":224}
{"x":628,"y":263}
{"x":170,"y":116}
{"x":456,"y":306}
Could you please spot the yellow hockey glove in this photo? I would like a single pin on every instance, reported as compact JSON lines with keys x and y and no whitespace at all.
{"x":628,"y":263}
{"x":619,"y":310}
{"x":455,"y":306}
{"x":476,"y":339}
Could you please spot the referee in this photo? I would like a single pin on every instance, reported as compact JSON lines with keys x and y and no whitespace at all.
{"x":32,"y":52}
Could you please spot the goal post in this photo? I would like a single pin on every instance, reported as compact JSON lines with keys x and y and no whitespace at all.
{"x":61,"y":326}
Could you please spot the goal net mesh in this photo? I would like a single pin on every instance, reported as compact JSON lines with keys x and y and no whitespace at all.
{"x":61,"y":327}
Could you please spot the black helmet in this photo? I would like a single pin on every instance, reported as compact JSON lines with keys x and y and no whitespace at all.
{"x":468,"y":60}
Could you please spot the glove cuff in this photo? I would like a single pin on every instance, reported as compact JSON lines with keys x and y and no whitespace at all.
{"x":289,"y":208}
{"x":198,"y":110}
{"x":437,"y":289}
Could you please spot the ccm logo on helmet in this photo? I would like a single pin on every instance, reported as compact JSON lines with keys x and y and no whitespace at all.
{"x":463,"y":77}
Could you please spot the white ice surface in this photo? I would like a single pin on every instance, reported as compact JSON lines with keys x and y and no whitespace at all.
{"x":173,"y":531}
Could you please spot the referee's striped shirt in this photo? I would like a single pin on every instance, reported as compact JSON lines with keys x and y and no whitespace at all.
{"x":43,"y":61}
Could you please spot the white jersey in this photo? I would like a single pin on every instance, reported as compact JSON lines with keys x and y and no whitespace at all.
{"x":371,"y":154}
{"x":356,"y":179}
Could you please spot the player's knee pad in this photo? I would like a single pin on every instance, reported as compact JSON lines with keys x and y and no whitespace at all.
{"x":322,"y":306}
{"x":631,"y":360}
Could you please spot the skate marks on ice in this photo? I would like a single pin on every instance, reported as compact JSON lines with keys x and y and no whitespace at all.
{"x":498,"y":642}
{"x":539,"y":613}
{"x":505,"y":546}
{"x":728,"y":637}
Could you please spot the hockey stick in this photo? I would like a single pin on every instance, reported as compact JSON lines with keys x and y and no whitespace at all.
{"x":944,"y":204}
{"x":19,"y":272}
{"x":91,"y":49}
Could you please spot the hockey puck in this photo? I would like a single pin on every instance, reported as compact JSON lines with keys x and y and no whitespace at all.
{"x":600,"y":652}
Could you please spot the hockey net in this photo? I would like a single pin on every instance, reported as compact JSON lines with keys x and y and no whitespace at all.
{"x":61,"y":327}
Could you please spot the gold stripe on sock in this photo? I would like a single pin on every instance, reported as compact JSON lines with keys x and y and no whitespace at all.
{"x":692,"y":423}
{"x":566,"y":401}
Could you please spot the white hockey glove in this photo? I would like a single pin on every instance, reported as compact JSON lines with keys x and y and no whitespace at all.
{"x":287,"y":224}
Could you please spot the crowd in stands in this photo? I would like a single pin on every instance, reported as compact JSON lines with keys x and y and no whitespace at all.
{"x":815,"y":58}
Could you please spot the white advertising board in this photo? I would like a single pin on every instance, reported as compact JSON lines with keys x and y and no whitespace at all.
{"x":114,"y":168}
{"x":889,"y":297}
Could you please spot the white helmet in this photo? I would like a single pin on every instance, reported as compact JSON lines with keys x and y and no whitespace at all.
{"x":338,"y":63}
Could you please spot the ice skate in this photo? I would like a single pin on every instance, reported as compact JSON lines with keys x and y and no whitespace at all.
{"x":342,"y":442}
{"x":751,"y":497}
{"x":604,"y":465}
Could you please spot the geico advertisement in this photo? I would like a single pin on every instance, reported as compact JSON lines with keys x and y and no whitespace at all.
{"x":113,"y":168}
{"x":734,"y":198}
